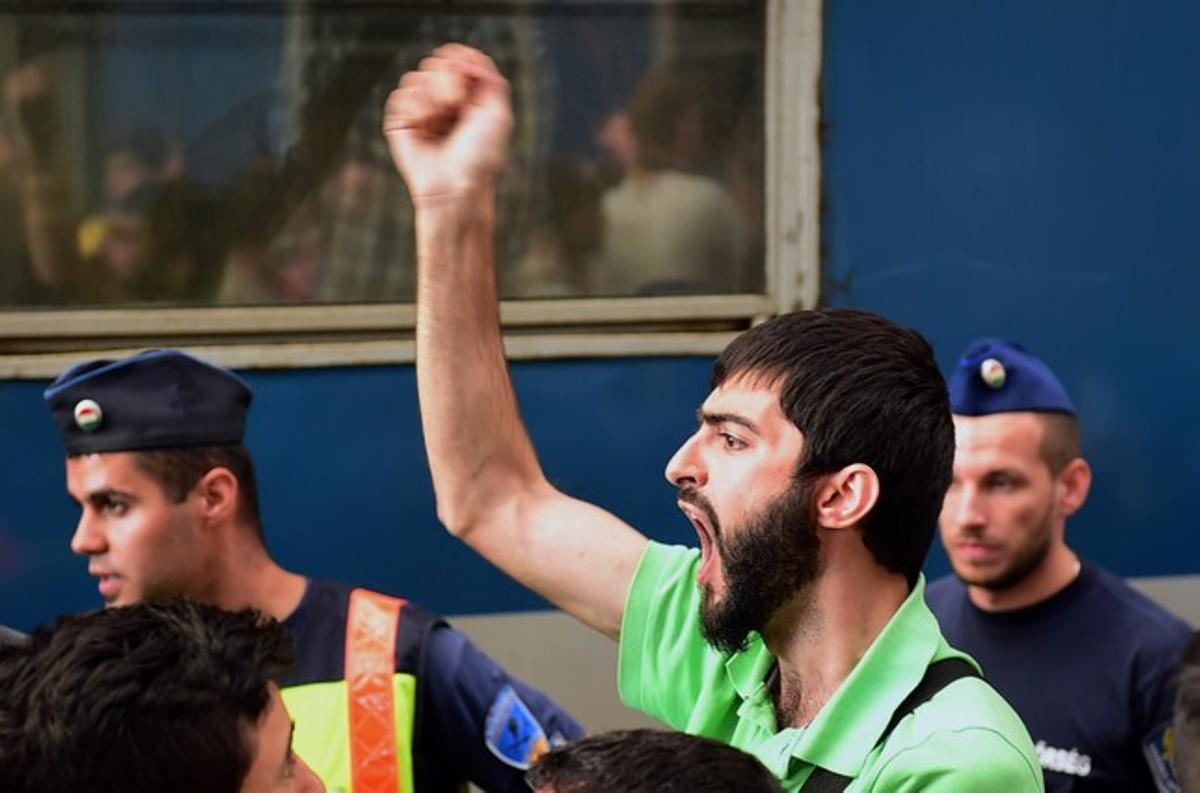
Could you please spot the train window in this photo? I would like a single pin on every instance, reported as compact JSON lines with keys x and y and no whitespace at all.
{"x":199,"y":169}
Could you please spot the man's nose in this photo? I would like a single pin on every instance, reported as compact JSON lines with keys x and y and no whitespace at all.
{"x":967,"y":508}
{"x":685,"y":467}
{"x":87,"y":540}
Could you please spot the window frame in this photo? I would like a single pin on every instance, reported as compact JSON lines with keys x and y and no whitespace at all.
{"x":42,"y":342}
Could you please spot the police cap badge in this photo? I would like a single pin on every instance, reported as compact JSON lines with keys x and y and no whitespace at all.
{"x":156,"y":399}
{"x":997,"y":376}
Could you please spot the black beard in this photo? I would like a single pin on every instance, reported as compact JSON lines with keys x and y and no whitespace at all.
{"x":765,"y":564}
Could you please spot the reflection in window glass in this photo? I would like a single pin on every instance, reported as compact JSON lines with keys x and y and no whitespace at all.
{"x":215,"y":153}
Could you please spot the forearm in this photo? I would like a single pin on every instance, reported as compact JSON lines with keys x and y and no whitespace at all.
{"x":447,"y":126}
{"x":478,"y":448}
{"x":49,"y":228}
{"x":46,"y":201}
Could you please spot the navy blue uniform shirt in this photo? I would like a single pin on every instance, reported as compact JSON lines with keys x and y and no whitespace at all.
{"x":1090,"y":671}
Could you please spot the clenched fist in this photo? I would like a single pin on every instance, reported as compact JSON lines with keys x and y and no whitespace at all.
{"x":447,"y":124}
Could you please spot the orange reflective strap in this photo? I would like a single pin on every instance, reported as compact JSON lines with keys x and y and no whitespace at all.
{"x":371,"y":629}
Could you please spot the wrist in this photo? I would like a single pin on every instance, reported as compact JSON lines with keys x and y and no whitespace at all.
{"x":462,"y":202}
{"x":447,"y":222}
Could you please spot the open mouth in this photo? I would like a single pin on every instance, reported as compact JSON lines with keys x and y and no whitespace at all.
{"x":700,"y":523}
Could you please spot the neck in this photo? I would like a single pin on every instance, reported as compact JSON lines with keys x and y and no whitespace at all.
{"x":242,"y":575}
{"x":821,"y":634}
{"x":1060,"y":567}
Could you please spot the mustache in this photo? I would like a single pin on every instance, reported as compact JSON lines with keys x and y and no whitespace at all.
{"x":973,"y":533}
{"x":690,"y":494}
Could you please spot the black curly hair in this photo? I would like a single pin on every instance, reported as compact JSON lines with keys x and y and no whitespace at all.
{"x":140,"y":699}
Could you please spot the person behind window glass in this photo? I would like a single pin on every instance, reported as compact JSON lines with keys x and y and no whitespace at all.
{"x":17,"y":284}
{"x":195,"y":229}
{"x":353,"y":229}
{"x":563,"y":257}
{"x":173,"y":696}
{"x":668,"y":229}
{"x":160,"y":238}
{"x":116,"y":236}
{"x":140,"y":155}
{"x":649,"y":761}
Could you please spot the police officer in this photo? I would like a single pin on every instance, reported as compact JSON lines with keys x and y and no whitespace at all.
{"x":167,"y":491}
{"x":1087,"y":661}
{"x":798,"y":631}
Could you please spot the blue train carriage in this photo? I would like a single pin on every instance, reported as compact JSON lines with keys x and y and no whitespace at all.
{"x":210,"y":175}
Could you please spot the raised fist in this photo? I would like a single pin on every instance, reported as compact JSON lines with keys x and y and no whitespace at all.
{"x":447,"y":124}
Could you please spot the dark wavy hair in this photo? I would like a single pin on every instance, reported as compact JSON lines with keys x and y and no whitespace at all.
{"x":649,"y":761}
{"x":139,"y":699}
{"x":861,"y":389}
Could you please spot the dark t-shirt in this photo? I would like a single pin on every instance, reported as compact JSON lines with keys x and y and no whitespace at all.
{"x":1090,"y":671}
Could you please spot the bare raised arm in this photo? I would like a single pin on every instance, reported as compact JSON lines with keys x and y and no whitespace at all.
{"x":447,"y":127}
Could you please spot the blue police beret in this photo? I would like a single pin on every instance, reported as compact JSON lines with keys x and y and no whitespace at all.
{"x":157,"y":399}
{"x":997,"y":376}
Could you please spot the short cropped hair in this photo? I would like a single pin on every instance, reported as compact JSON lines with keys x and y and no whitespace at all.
{"x":649,"y":761}
{"x":138,"y":699}
{"x":1187,"y":719}
{"x":861,"y":389}
{"x":1061,"y":440}
{"x":178,"y":470}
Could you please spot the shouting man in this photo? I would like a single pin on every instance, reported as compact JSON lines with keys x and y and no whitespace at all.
{"x":799,"y":630}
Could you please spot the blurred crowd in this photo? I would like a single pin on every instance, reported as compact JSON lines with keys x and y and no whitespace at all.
{"x":289,"y":197}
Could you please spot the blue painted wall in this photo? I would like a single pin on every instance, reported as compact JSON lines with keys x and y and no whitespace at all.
{"x":1032,"y":170}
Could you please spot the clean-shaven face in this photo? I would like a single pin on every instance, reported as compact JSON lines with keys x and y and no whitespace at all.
{"x":139,"y":544}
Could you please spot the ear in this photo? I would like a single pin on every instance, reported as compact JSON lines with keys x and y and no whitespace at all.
{"x":1074,"y":481}
{"x":217,"y":492}
{"x":845,"y":497}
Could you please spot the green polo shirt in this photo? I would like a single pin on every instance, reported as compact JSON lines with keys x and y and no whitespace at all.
{"x":965,"y":738}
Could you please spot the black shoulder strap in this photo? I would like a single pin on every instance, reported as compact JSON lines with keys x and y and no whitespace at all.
{"x":938,"y":675}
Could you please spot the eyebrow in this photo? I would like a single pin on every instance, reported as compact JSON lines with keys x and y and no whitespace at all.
{"x":712,"y":419}
{"x":106,"y":494}
{"x":1012,"y":473}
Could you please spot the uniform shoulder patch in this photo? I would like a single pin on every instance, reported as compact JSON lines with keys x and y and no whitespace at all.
{"x":1159,"y":748}
{"x":512,"y":732}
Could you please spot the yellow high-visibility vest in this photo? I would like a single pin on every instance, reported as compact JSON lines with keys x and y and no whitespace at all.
{"x":356,"y":733}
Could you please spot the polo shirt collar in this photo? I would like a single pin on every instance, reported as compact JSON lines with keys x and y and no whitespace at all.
{"x":747,"y":672}
{"x":848,"y":727}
